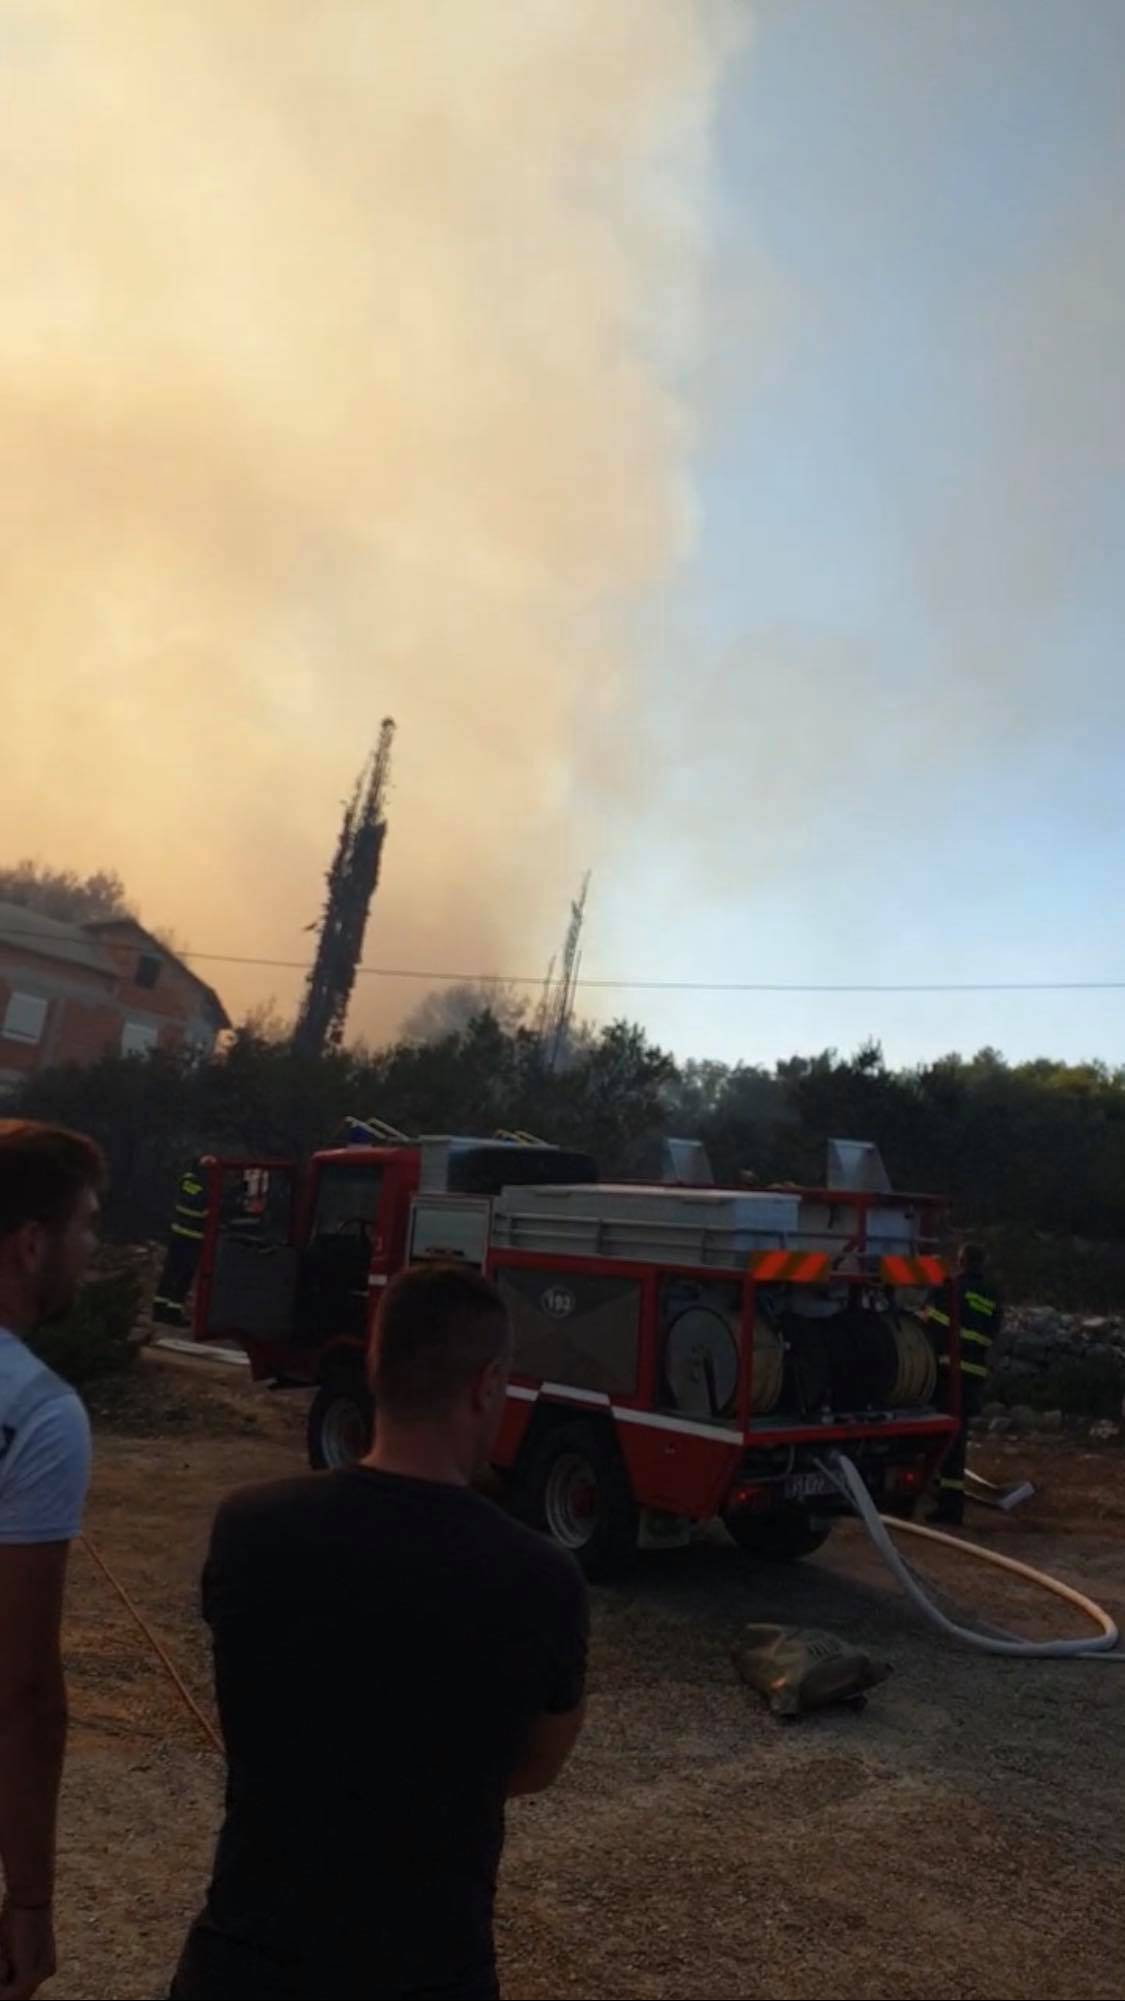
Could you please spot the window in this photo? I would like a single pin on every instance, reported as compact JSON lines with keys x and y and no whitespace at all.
{"x":148,"y":970}
{"x":24,"y":1018}
{"x":347,"y":1199}
{"x":138,"y":1038}
{"x":342,"y":1242}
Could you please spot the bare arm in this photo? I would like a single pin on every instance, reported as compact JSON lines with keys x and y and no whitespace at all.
{"x":32,"y":1716}
{"x":551,"y":1741}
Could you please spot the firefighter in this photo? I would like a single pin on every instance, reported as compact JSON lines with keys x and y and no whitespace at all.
{"x":189,"y":1223}
{"x":981,"y":1315}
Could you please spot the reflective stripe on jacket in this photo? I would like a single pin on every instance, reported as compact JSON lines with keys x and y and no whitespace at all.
{"x":981,"y":1316}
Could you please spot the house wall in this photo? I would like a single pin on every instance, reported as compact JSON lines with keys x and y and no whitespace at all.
{"x":173,"y":1006}
{"x":81,"y":1021}
{"x":87,"y":1011}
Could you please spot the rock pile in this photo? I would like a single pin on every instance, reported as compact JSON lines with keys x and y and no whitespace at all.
{"x":1052,"y":1367}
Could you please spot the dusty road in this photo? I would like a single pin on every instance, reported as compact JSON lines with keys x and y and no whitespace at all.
{"x":963,"y":1837}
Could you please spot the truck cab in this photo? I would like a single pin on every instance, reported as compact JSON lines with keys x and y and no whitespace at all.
{"x":300,"y":1293}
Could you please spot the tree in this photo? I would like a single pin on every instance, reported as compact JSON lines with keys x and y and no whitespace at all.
{"x":63,"y":893}
{"x":448,"y":1010}
{"x":1031,"y":1155}
{"x":352,"y":881}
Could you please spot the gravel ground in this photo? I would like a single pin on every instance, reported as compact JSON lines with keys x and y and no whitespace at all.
{"x":961,"y":1837}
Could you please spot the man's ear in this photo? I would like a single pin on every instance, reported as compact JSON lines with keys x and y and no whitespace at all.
{"x":30,"y":1245}
{"x":488,"y":1384}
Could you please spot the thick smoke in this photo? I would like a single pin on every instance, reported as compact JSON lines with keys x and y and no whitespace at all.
{"x":341,"y":364}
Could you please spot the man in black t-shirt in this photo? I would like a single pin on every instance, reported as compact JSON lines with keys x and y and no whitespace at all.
{"x":394,"y":1658}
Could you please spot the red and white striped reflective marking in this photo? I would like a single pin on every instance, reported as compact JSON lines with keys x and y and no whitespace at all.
{"x":912,"y":1271}
{"x":795,"y":1267}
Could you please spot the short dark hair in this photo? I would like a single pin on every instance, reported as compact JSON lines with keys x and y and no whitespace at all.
{"x":972,"y":1259}
{"x":437,"y":1327}
{"x":43,"y":1171}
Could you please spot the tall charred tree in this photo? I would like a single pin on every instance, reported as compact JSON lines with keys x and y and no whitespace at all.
{"x":352,"y":881}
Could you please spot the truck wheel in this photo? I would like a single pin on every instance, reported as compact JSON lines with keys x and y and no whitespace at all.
{"x":780,"y":1538}
{"x":576,"y":1490}
{"x":340,"y":1424}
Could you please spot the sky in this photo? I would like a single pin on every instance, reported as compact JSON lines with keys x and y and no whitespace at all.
{"x":700,"y":424}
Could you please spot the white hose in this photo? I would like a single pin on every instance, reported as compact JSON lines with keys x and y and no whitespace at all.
{"x":848,"y":1478}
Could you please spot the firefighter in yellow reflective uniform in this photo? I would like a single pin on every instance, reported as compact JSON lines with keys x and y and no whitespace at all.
{"x":981,"y":1316}
{"x":189,"y":1222}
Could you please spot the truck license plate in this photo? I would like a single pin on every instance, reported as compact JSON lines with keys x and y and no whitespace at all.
{"x":804,"y":1486}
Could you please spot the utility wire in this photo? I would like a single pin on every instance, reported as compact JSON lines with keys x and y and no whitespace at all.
{"x":441,"y":975}
{"x":698,"y":986}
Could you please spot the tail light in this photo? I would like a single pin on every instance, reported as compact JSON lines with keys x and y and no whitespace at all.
{"x":906,"y":1479}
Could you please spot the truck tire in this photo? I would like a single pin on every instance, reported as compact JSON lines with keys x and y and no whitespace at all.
{"x":341,"y":1419}
{"x":782,"y":1538}
{"x":575,"y":1489}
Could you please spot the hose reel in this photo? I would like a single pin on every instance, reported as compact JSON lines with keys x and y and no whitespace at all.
{"x":701,"y":1363}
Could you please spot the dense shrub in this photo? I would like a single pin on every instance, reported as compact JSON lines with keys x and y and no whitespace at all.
{"x":1031,"y":1155}
{"x":96,"y":1338}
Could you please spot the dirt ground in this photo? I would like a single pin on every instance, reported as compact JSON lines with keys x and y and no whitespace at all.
{"x":964,"y":1836}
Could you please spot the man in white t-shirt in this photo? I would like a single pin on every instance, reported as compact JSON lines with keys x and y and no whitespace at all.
{"x":49,"y":1182}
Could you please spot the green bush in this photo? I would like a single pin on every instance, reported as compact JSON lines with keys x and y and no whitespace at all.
{"x":96,"y":1337}
{"x":1082,"y":1385}
{"x":1071,"y":1274}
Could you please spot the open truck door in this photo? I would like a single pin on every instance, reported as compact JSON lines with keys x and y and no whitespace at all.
{"x":246,"y":1286}
{"x":356,"y":1214}
{"x":290,"y":1269}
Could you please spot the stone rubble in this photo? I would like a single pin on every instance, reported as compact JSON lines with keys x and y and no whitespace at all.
{"x":1053,"y":1370}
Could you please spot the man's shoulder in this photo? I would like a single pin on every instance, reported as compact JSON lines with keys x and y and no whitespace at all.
{"x":20,"y":1367}
{"x":307,"y":1504}
{"x":532,"y":1553}
{"x":44,"y":1462}
{"x":272,"y":1500}
{"x":33,"y":1399}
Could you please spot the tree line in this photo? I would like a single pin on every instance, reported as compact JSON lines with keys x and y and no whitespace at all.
{"x":1032,"y":1155}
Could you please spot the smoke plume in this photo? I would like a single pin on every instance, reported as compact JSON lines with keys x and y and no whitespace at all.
{"x":341,"y":364}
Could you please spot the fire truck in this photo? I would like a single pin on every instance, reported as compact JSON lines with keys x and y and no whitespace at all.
{"x":682,"y":1352}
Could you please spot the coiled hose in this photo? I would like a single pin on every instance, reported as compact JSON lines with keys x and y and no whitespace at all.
{"x":916,"y":1380}
{"x":845,"y":1475}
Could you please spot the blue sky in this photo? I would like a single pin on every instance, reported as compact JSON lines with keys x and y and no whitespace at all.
{"x":886,"y":713}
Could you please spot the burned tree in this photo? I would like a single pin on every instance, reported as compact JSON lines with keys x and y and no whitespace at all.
{"x":352,"y":881}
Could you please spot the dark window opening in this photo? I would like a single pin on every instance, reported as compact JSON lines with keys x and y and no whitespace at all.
{"x":148,"y":970}
{"x":337,"y":1259}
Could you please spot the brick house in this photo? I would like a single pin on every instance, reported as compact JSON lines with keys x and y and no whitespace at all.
{"x":70,"y":993}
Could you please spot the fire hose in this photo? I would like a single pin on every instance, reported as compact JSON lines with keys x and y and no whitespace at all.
{"x":845,"y":1475}
{"x":167,"y":1663}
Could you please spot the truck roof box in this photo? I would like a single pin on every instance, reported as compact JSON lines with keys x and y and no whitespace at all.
{"x":857,"y":1164}
{"x":453,"y":1165}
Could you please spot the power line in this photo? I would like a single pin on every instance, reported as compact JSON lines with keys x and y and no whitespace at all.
{"x":721,"y":986}
{"x":439,"y":976}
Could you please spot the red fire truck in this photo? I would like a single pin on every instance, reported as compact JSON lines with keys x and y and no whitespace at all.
{"x":681,"y":1352}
